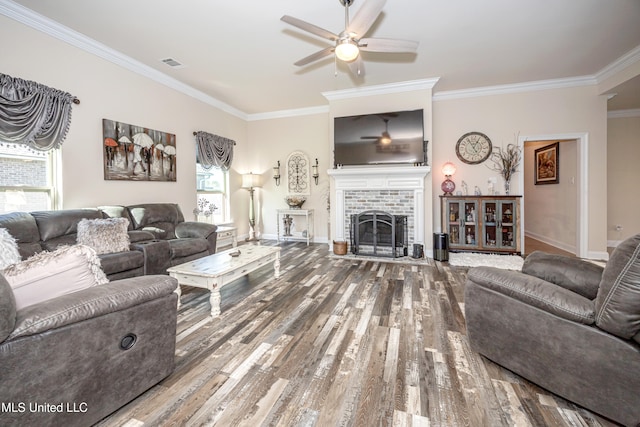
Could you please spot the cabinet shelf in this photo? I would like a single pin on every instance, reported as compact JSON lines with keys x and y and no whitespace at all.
{"x":482,"y":223}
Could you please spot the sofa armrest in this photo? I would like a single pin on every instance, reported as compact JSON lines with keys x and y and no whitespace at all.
{"x":192,"y":229}
{"x":89,"y":303}
{"x":574,"y":274}
{"x":136,"y":236}
{"x":536,"y":292}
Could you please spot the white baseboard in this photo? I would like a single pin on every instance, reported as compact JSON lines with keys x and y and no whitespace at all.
{"x":613,"y":243}
{"x":269,"y":236}
{"x":549,"y":241}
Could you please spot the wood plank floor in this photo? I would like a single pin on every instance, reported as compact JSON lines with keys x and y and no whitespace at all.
{"x":336,"y":342}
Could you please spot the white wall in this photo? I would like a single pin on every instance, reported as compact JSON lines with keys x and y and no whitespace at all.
{"x":551,"y":209}
{"x":109,"y":91}
{"x":504,"y":116}
{"x":623,"y":157}
{"x":273,"y":140}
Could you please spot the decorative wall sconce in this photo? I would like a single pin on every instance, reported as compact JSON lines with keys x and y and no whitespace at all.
{"x":448,"y":169}
{"x":276,"y":174}
{"x":315,"y":172}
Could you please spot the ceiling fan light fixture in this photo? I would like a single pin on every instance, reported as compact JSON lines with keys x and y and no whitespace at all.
{"x":347,"y":50}
{"x":385,"y":139}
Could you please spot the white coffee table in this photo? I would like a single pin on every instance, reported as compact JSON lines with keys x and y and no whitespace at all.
{"x":215,"y":271}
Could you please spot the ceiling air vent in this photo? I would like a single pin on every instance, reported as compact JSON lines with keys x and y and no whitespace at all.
{"x":172,"y":63}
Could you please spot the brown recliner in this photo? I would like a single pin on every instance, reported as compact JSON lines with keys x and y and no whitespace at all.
{"x":566,"y":324}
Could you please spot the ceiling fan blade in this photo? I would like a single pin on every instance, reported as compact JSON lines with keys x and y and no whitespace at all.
{"x":365,"y":17}
{"x":357,"y":67}
{"x":315,"y":56}
{"x":388,"y":45}
{"x":313,"y":29}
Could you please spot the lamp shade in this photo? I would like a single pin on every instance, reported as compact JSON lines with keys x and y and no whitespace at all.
{"x":448,"y":169}
{"x":347,"y":50}
{"x":250,"y":180}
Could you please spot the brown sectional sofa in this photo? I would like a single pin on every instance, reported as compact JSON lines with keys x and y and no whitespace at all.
{"x":159,"y":236}
{"x":87,"y":353}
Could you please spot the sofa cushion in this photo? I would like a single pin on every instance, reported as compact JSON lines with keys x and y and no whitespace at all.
{"x":23,"y":227}
{"x":618,"y":300}
{"x":574,"y":274}
{"x":7,"y":309}
{"x":159,"y":218}
{"x":51,"y":274}
{"x":105,"y":235}
{"x":118,"y":262}
{"x":8,"y":249}
{"x":59,"y":228}
{"x":181,"y":248}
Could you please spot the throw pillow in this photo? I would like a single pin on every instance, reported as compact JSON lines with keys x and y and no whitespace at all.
{"x":49,"y":275}
{"x":106,"y":235}
{"x":8,"y":249}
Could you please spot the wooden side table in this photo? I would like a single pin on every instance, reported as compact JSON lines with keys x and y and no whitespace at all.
{"x":227,"y":235}
{"x":305,"y":234}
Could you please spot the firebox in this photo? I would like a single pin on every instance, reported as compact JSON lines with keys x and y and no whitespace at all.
{"x":379,"y":233}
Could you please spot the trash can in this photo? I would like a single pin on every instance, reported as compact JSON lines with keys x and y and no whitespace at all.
{"x":418,"y":251}
{"x":441,"y":246}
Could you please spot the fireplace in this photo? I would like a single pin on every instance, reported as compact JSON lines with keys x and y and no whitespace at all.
{"x":402,"y":190}
{"x":379,"y":233}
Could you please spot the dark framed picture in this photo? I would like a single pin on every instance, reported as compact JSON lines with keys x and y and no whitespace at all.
{"x":136,"y":153}
{"x":547,"y":164}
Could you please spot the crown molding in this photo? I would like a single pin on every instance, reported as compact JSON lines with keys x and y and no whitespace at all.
{"x":619,"y":64}
{"x":383,"y":89}
{"x":54,"y":29}
{"x":515,"y":88}
{"x":621,"y":114}
{"x":323,"y":109}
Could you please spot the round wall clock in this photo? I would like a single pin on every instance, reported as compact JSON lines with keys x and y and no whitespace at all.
{"x":473,"y":148}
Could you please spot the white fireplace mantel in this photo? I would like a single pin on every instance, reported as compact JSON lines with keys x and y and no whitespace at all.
{"x":377,"y":178}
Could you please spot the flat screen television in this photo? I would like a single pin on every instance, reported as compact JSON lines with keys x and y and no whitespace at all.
{"x":383,"y":138}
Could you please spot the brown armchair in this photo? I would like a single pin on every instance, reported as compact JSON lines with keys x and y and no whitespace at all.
{"x":566,"y":324}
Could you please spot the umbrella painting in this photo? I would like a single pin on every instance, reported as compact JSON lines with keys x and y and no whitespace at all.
{"x":136,"y":153}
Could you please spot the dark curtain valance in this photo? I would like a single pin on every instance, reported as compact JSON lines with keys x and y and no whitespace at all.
{"x":214,"y":150}
{"x":33,"y":114}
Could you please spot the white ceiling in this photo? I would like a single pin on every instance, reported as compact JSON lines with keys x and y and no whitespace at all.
{"x":240,"y":53}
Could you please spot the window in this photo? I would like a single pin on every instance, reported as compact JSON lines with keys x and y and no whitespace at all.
{"x":27,"y":178}
{"x":212,"y":190}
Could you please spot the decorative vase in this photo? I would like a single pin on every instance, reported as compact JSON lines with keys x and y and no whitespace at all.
{"x":507,"y":187}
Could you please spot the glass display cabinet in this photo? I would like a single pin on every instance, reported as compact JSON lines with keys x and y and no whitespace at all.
{"x":482,"y":223}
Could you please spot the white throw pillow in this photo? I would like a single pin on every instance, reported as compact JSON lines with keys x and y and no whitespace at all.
{"x":48,"y":275}
{"x":8,"y":249}
{"x":106,"y":235}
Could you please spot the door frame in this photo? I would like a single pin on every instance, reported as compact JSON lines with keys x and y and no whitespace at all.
{"x":582,"y":214}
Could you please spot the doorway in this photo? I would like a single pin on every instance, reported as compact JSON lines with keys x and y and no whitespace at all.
{"x":573,"y":185}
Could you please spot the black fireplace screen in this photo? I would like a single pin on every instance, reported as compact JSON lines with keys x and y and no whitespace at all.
{"x":379,"y":233}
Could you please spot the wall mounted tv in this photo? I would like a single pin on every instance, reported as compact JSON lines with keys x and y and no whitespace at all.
{"x":383,"y":138}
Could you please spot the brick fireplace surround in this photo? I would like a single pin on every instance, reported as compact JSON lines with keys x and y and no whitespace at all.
{"x":398,"y":190}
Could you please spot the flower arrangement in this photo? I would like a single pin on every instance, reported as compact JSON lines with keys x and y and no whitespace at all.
{"x":204,"y":207}
{"x":506,"y":161}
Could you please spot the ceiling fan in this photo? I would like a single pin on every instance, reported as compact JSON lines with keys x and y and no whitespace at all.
{"x":384,"y":138}
{"x":350,"y":42}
